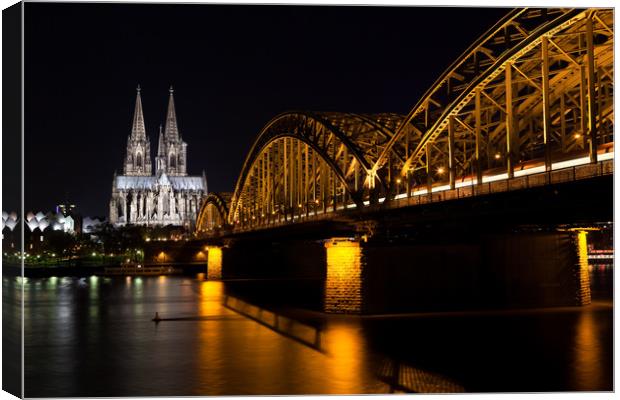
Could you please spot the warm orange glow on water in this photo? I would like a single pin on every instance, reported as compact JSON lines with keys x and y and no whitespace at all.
{"x":347,"y":369}
{"x":588,"y":354}
{"x":214,"y":262}
{"x":210,"y":298}
{"x":211,"y":347}
{"x":343,"y":286}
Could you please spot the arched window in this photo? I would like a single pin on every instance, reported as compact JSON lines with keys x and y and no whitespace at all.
{"x":173,"y":161}
{"x":139,"y":160}
{"x":180,"y":161}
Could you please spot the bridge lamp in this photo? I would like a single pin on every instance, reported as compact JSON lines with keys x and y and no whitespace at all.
{"x":441,"y":170}
{"x":497,"y":156}
{"x":299,"y":205}
{"x":398,"y":181}
{"x":577,"y":135}
{"x":316,"y":201}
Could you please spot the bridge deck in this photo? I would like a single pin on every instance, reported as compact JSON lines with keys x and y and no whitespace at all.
{"x":525,"y":179}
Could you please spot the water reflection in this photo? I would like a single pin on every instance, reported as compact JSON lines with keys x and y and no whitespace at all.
{"x":214,"y":342}
{"x":305,"y":334}
{"x":346,"y":348}
{"x":403,"y":378}
{"x":587,"y":354}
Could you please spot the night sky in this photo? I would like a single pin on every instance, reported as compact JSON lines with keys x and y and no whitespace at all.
{"x":233,"y":69}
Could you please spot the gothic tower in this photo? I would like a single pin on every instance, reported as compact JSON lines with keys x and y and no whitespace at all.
{"x":138,"y":155}
{"x":168,"y":197}
{"x":172,"y":150}
{"x":160,"y":158}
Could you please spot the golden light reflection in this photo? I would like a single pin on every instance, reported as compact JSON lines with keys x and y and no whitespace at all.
{"x":212,"y":345}
{"x":588,"y":355}
{"x":343,"y":286}
{"x":346,"y":368}
{"x":210,"y":298}
{"x":214,"y":263}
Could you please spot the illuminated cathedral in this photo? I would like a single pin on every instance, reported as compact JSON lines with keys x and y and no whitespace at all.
{"x":167,"y":197}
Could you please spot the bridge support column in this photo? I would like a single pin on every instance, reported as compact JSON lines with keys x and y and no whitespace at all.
{"x":583,"y":295}
{"x":343,"y":286}
{"x":538,"y":269}
{"x":214,"y":262}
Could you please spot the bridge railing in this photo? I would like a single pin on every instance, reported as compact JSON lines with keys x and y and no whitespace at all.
{"x":568,"y":174}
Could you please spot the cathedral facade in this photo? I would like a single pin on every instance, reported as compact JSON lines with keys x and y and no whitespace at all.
{"x":165,"y":196}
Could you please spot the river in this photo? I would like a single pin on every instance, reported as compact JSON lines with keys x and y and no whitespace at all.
{"x":94,"y":336}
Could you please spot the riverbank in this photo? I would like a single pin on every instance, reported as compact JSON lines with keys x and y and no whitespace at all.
{"x":79,"y":271}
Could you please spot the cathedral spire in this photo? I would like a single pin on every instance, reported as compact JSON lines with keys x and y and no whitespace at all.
{"x":161,"y":151}
{"x":172,"y":129}
{"x":137,"y":130}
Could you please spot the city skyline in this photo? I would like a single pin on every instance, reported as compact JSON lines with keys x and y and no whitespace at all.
{"x":228,"y":84}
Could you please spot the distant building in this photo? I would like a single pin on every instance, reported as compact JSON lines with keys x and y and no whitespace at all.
{"x":90,"y":224}
{"x":167,"y":197}
{"x":65,"y":209}
{"x":54,"y":221}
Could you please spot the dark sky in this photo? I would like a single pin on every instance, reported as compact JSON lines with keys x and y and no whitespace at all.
{"x":233,"y":69}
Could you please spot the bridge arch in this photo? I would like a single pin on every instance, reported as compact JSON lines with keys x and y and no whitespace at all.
{"x":306,"y":163}
{"x":213,"y":214}
{"x":537,"y":86}
{"x":535,"y":90}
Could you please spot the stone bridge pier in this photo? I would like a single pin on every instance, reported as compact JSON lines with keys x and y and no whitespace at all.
{"x":516,"y":269}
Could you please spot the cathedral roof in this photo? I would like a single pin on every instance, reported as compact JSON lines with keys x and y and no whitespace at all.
{"x":125,"y":182}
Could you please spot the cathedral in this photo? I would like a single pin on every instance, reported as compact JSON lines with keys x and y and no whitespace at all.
{"x":167,"y":197}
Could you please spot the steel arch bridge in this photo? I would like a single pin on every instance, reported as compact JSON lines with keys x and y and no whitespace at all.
{"x":531,"y":93}
{"x":213,"y":213}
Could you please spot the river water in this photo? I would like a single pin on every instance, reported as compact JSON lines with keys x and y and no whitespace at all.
{"x":95,"y":336}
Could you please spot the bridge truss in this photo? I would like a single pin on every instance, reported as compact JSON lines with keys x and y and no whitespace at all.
{"x":534,"y":91}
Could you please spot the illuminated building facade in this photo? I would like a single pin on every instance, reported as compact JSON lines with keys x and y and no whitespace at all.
{"x":167,"y":197}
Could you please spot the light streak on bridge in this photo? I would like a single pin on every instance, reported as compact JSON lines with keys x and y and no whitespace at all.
{"x":528,"y":104}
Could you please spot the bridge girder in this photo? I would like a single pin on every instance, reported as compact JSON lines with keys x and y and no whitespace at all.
{"x":520,"y":93}
{"x":536,"y":88}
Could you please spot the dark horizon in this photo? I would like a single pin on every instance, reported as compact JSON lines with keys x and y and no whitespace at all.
{"x":233,"y":68}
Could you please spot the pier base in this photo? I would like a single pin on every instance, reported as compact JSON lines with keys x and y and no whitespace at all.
{"x":214,"y":262}
{"x":343,"y":284}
